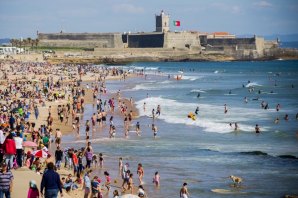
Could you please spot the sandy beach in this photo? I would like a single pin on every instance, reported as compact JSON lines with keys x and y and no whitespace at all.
{"x":22,"y":176}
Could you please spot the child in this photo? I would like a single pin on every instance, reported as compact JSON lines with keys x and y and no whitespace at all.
{"x":94,"y":160}
{"x":33,"y":190}
{"x":100,"y":160}
{"x":108,"y":180}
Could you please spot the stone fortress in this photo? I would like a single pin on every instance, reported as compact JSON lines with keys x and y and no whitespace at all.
{"x":163,"y":44}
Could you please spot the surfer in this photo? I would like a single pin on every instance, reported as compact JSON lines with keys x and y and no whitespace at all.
{"x":183,"y":191}
{"x":198,"y":95}
{"x":230,"y":92}
{"x":257,"y":128}
{"x":197,"y":111}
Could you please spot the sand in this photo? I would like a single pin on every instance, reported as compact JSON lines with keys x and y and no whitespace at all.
{"x":22,"y":176}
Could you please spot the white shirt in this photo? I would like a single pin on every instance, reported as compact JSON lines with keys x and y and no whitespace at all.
{"x":2,"y":137}
{"x":19,"y":142}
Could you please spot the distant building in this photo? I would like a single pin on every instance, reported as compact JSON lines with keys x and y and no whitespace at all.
{"x":11,"y":50}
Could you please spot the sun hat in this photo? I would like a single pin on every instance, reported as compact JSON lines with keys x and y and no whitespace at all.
{"x":33,"y":184}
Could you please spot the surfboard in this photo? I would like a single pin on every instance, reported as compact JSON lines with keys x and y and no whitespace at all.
{"x":226,"y":191}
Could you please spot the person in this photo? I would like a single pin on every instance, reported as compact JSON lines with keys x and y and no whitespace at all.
{"x":156,"y":179}
{"x":158,"y":110}
{"x":6,"y":181}
{"x":108,"y":180}
{"x":95,"y":184}
{"x":286,"y":117}
{"x":277,"y":107}
{"x":33,"y":190}
{"x":183,"y":191}
{"x":51,"y":182}
{"x":19,"y":146}
{"x":58,"y":157}
{"x":276,"y":120}
{"x":130,"y":183}
{"x":138,"y":129}
{"x":58,"y":137}
{"x":116,"y":194}
{"x":120,"y":164}
{"x":9,"y":147}
{"x":87,"y":184}
{"x":257,"y":128}
{"x":140,"y":172}
{"x":197,"y":110}
{"x":236,"y":126}
{"x":141,"y":191}
{"x":154,"y":129}
{"x":100,"y":160}
{"x":226,"y":109}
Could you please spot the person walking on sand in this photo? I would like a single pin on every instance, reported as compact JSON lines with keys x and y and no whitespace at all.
{"x":183,"y":191}
{"x":58,"y":137}
{"x":6,"y":179}
{"x":51,"y":183}
{"x":87,"y":184}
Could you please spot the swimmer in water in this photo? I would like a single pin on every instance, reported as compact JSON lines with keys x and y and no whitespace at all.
{"x":184,"y":192}
{"x":197,"y":111}
{"x":277,"y":107}
{"x":257,"y":128}
{"x":154,"y":130}
{"x":286,"y":117}
{"x":226,"y":109}
{"x":245,"y":100}
{"x":236,"y":126}
{"x":276,"y":121}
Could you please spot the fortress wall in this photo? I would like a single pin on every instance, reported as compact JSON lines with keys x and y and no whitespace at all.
{"x":145,"y":40}
{"x":105,"y":40}
{"x":182,"y":40}
{"x":239,"y":43}
{"x":137,"y":51}
{"x":260,"y":45}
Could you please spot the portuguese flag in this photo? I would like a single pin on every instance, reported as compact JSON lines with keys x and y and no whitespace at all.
{"x":176,"y":23}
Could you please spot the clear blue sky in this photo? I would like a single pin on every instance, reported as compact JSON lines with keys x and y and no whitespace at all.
{"x":22,"y":18}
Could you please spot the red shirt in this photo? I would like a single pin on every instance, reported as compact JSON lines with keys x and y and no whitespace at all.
{"x":9,"y":146}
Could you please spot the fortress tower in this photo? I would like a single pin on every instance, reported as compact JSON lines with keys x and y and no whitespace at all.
{"x":162,"y":22}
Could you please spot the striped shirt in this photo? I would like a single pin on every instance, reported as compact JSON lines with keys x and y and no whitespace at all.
{"x":5,"y":180}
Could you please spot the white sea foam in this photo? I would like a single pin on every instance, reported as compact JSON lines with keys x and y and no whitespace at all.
{"x":211,"y":117}
{"x":253,"y":84}
{"x":216,"y":72}
{"x":197,"y":90}
{"x":191,"y":78}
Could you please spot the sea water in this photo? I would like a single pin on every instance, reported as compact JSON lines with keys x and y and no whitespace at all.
{"x":204,"y":152}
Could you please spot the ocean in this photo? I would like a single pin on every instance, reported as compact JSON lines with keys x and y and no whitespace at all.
{"x":204,"y":152}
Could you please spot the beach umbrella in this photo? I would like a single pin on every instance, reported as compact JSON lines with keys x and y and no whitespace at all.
{"x":129,"y":196}
{"x":29,"y":144}
{"x":41,"y":153}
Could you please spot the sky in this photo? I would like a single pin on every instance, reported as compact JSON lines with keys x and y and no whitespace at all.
{"x":23,"y":18}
